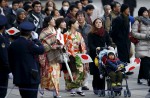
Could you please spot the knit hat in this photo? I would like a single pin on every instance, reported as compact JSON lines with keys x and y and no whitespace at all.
{"x":111,"y":52}
{"x":141,"y":11}
{"x":124,"y":7}
{"x":19,"y":11}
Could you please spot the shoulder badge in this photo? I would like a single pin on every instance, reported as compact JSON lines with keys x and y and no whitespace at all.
{"x":3,"y":45}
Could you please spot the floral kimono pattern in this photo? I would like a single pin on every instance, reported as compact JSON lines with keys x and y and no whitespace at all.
{"x":74,"y":44}
{"x":50,"y":69}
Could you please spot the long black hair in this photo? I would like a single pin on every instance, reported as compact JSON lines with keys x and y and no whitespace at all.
{"x":46,"y":21}
{"x":71,"y":21}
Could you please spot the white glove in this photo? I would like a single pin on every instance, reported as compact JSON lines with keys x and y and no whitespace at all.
{"x":10,"y":76}
{"x":34,"y":35}
{"x":101,"y":76}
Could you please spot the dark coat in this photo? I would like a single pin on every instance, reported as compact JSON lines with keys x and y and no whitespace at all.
{"x":11,"y":17}
{"x":22,"y":57}
{"x":17,"y":23}
{"x":4,"y":64}
{"x":68,"y":18}
{"x":95,"y":41}
{"x":113,"y":65}
{"x":38,"y":23}
{"x":107,"y":2}
{"x":130,"y":3}
{"x":120,"y":36}
{"x":62,"y":12}
{"x":88,"y":19}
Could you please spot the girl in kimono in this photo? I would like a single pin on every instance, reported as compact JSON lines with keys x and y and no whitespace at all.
{"x":50,"y":68}
{"x":74,"y":44}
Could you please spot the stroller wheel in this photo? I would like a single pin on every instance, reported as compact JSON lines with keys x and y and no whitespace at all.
{"x":109,"y":94}
{"x":129,"y":93}
{"x":112,"y":94}
{"x":119,"y":93}
{"x":116,"y":93}
{"x":125,"y":93}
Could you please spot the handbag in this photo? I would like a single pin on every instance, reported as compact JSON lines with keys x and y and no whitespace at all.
{"x":62,"y":57}
{"x":57,"y":55}
{"x":133,"y":39}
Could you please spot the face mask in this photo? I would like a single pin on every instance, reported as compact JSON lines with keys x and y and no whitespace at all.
{"x":65,"y":8}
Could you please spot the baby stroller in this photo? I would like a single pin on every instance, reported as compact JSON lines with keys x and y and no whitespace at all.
{"x":111,"y":91}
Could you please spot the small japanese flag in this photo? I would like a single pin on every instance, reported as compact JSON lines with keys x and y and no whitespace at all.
{"x":12,"y":31}
{"x":85,"y":58}
{"x":60,"y":36}
{"x":135,"y":63}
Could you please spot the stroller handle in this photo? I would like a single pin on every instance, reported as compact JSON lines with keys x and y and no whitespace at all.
{"x":101,"y":48}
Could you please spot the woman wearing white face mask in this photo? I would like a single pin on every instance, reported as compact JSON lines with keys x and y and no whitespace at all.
{"x":65,"y":6}
{"x":49,"y":7}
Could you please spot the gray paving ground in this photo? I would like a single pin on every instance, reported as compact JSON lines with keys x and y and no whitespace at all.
{"x":138,"y":91}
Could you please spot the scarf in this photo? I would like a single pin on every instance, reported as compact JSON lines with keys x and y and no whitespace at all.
{"x":114,"y":60}
{"x":100,"y":32}
{"x":39,"y":15}
{"x":145,"y":20}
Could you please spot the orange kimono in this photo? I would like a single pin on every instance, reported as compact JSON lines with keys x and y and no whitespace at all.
{"x":74,"y":44}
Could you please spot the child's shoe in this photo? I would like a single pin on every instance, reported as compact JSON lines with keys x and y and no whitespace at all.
{"x":113,"y":84}
{"x":118,"y":84}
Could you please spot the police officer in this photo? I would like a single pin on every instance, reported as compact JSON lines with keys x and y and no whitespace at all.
{"x":4,"y":68}
{"x":23,"y":63}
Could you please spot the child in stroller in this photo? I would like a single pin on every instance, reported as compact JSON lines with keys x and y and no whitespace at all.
{"x":114,"y":69}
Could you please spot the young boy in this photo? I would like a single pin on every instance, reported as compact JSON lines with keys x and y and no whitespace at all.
{"x":114,"y":67}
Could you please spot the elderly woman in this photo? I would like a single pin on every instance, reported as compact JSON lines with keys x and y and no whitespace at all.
{"x":50,"y":68}
{"x":141,"y":31}
{"x":74,"y":44}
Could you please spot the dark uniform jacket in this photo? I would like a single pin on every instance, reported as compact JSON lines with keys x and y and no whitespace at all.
{"x":22,"y":57}
{"x":4,"y":54}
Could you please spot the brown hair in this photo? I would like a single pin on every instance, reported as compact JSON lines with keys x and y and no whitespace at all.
{"x":94,"y":29}
{"x":54,"y":5}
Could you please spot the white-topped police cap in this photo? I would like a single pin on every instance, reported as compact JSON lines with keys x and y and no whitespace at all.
{"x":26,"y":26}
{"x":3,"y":20}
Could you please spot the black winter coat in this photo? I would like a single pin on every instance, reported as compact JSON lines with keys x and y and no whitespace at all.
{"x":107,"y":2}
{"x":63,"y":13}
{"x":130,"y":3}
{"x":22,"y":58}
{"x":95,"y":41}
{"x":120,"y":36}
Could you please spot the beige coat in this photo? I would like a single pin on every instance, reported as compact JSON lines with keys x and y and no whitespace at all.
{"x":142,"y":48}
